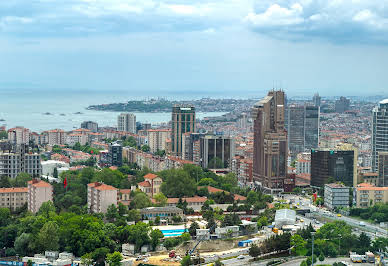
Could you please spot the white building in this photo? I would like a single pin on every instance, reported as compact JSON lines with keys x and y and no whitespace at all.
{"x":126,"y":122}
{"x":49,"y":166}
{"x":38,"y":193}
{"x":14,"y":163}
{"x":100,"y":197}
{"x":157,"y":139}
{"x":19,"y":135}
{"x":13,"y":198}
{"x":303,"y":166}
{"x":55,"y":137}
{"x":336,"y":195}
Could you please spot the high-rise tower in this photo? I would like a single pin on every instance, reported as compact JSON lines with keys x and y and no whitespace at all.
{"x":126,"y":122}
{"x":270,"y":142}
{"x":183,"y":121}
{"x":379,"y":131}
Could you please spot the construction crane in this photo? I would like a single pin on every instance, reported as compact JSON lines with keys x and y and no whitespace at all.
{"x":200,"y":240}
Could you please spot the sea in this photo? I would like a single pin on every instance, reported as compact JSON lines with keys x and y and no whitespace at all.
{"x":67,"y":108}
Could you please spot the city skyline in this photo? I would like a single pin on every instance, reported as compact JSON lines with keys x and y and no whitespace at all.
{"x":170,"y":46}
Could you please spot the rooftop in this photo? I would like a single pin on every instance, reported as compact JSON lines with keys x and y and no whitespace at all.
{"x":14,"y":190}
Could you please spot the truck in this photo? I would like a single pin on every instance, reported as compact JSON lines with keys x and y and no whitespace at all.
{"x":362,"y":223}
{"x":370,"y":257}
{"x":356,"y":258}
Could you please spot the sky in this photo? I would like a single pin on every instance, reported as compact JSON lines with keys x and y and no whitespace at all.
{"x":218,"y":47}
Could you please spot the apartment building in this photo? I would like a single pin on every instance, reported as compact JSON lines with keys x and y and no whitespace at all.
{"x":13,"y":198}
{"x":157,"y":139}
{"x":55,"y":136}
{"x":38,"y":193}
{"x":126,"y":122}
{"x":336,"y":195}
{"x":14,"y":162}
{"x":19,"y":135}
{"x":100,"y":197}
{"x":368,"y":195}
{"x":92,"y":126}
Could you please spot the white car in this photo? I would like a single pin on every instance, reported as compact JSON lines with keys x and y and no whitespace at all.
{"x":241,"y":257}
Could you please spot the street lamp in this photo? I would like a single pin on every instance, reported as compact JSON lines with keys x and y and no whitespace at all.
{"x":312,"y":249}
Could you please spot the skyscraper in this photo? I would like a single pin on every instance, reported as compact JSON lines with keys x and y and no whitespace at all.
{"x":303,"y":128}
{"x":182,"y":121}
{"x":270,"y":142}
{"x":383,"y":169}
{"x":216,"y":151}
{"x":342,"y":105}
{"x":317,"y":99}
{"x":126,"y":122}
{"x":379,"y":131}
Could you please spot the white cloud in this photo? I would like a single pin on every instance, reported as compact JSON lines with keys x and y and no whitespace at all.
{"x":276,"y":15}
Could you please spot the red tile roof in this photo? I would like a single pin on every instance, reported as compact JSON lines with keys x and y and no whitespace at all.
{"x":101,"y":186}
{"x":188,"y":200}
{"x":144,"y":184}
{"x":14,"y":189}
{"x":150,"y":176}
{"x":38,"y":183}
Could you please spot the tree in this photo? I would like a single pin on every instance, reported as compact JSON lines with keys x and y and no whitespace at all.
{"x":21,"y":180}
{"x":254,"y":251}
{"x":298,"y":244}
{"x":216,"y":163}
{"x":321,"y":257}
{"x":161,"y":200}
{"x":178,"y":184}
{"x":157,"y":220}
{"x":112,"y":213}
{"x":30,"y":263}
{"x":4,"y":181}
{"x":193,"y":228}
{"x":134,"y":215}
{"x":87,"y":259}
{"x":122,"y":209}
{"x":3,"y":134}
{"x":48,"y":237}
{"x":55,"y":174}
{"x":5,"y":216}
{"x":186,"y":261}
{"x":99,"y":255}
{"x":47,"y":209}
{"x":114,"y":259}
{"x":186,"y":237}
{"x":140,"y":201}
{"x":303,"y":263}
{"x":155,"y":235}
{"x":145,"y":148}
{"x":21,"y":244}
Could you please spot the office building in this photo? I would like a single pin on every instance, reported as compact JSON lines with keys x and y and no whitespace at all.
{"x":270,"y":142}
{"x":19,"y":135}
{"x":39,"y":192}
{"x":383,"y":169}
{"x":157,"y":139}
{"x":317,"y":100}
{"x":342,"y":105}
{"x":19,"y":160}
{"x":92,"y":126}
{"x":13,"y":198}
{"x":216,"y":151}
{"x":115,"y":155}
{"x":100,"y":197}
{"x":368,"y":195}
{"x":336,"y":195}
{"x":126,"y":122}
{"x":379,"y":132}
{"x":182,"y":121}
{"x":303,"y":128}
{"x":333,"y":165}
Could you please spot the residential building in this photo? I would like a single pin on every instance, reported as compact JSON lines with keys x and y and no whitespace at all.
{"x":342,"y":105}
{"x":151,"y":184}
{"x":126,"y":122}
{"x":124,"y":196}
{"x":115,"y":154}
{"x":14,"y":162}
{"x":39,"y":192}
{"x":191,"y":149}
{"x":13,"y":198}
{"x":100,"y":197}
{"x":165,"y":213}
{"x":195,"y":202}
{"x":368,"y":195}
{"x":55,"y":137}
{"x":333,"y":165}
{"x":157,"y":139}
{"x":379,"y":132}
{"x":370,"y":178}
{"x":19,"y":135}
{"x":92,"y":126}
{"x":182,"y":121}
{"x":336,"y":195}
{"x":216,"y":151}
{"x":73,"y":138}
{"x":270,"y":142}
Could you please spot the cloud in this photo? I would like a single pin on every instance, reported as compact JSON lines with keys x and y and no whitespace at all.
{"x":338,"y":21}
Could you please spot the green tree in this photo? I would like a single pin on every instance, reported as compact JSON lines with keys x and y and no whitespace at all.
{"x":55,"y":174}
{"x":21,"y":244}
{"x":4,"y":181}
{"x":178,"y":184}
{"x":138,"y":234}
{"x":47,"y":209}
{"x":122,"y":209}
{"x":254,"y":251}
{"x":21,"y":180}
{"x":186,"y":261}
{"x":114,"y":259}
{"x":30,"y":263}
{"x":321,"y":257}
{"x":155,"y":235}
{"x":87,"y":259}
{"x":112,"y":213}
{"x":298,"y":244}
{"x":145,"y":148}
{"x":140,"y":201}
{"x":157,"y":220}
{"x":134,"y":215}
{"x":161,"y":200}
{"x":99,"y":255}
{"x":48,"y":237}
{"x":185,"y":237}
{"x":5,"y":216}
{"x":303,"y":263}
{"x":3,"y":134}
{"x":193,"y":228}
{"x":215,"y":163}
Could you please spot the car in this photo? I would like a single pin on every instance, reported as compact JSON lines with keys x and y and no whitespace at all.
{"x":240,"y":257}
{"x":339,"y":215}
{"x":301,"y":220}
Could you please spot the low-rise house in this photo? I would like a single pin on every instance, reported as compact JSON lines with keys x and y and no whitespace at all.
{"x":336,"y":195}
{"x":368,"y":195}
{"x":124,"y":196}
{"x":192,"y":202}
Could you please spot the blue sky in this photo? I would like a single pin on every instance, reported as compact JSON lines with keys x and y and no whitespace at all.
{"x":335,"y":47}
